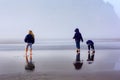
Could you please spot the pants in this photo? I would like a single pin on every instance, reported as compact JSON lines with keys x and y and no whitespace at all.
{"x":78,"y":44}
{"x":90,"y":47}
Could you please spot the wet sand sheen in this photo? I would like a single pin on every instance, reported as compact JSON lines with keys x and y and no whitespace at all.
{"x":58,"y":64}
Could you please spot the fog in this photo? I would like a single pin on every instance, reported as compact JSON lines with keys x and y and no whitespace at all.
{"x":57,"y":19}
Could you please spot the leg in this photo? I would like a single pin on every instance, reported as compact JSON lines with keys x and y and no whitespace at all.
{"x":78,"y":46}
{"x":26,"y":49}
{"x":88,"y":49}
{"x":30,"y":48}
{"x":88,"y":53}
{"x":30,"y":51}
{"x":93,"y":52}
{"x":30,"y":58}
{"x":93,"y":49}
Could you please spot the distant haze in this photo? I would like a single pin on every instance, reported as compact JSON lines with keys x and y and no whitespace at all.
{"x":115,"y":4}
{"x":57,"y":19}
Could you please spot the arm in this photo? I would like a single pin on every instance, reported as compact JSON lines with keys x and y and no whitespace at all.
{"x":74,"y":36}
{"x":81,"y":38}
{"x":33,"y":40}
{"x":25,"y":40}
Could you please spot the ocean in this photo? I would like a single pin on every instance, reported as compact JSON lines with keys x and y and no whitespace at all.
{"x":59,"y":44}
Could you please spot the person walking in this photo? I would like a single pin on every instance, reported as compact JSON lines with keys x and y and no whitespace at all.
{"x":78,"y":37}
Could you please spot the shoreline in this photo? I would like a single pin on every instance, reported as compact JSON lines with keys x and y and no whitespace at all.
{"x":20,"y":47}
{"x":100,"y":44}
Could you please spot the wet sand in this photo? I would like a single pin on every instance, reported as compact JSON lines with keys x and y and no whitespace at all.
{"x":58,"y":65}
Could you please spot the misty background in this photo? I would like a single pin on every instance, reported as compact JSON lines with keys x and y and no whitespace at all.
{"x":57,"y":19}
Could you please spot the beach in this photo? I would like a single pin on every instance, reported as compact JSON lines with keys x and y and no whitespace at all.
{"x":55,"y":62}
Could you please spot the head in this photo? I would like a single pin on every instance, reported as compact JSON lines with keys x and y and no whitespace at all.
{"x":89,"y":42}
{"x":30,"y":32}
{"x":76,"y":30}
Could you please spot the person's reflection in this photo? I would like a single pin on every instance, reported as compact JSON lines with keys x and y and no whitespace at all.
{"x":29,"y":64}
{"x":78,"y":63}
{"x":91,"y":56}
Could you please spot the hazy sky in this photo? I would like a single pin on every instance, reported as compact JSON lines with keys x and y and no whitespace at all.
{"x":116,"y":5}
{"x":59,"y":18}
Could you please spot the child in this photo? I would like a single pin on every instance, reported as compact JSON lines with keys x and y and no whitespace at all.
{"x":91,"y":48}
{"x":29,"y":39}
{"x":78,"y":38}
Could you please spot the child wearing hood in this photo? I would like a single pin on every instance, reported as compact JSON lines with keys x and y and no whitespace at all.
{"x":78,"y":38}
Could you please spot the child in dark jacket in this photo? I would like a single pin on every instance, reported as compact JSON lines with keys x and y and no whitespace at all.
{"x":29,"y":39}
{"x":78,"y":38}
{"x":91,"y":48}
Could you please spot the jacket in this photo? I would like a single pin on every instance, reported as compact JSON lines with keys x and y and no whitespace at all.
{"x":29,"y":39}
{"x":78,"y":36}
{"x":90,"y":42}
